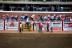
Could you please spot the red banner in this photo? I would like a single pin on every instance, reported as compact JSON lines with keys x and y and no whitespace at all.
{"x":69,"y":24}
{"x":56,"y":29}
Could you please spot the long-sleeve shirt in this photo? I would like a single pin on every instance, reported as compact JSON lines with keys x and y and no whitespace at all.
{"x":40,"y":24}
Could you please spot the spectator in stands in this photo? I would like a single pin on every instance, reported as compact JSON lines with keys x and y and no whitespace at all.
{"x":1,"y":9}
{"x":70,"y":18}
{"x":52,"y":17}
{"x":52,"y":8}
{"x":3,"y":17}
{"x":46,"y":10}
{"x":58,"y":8}
{"x":22,"y":17}
{"x":7,"y":17}
{"x":61,"y":8}
{"x":22,"y":8}
{"x":11,"y":9}
{"x":12,"y":18}
{"x":37,"y":8}
{"x":16,"y":8}
{"x":31,"y":8}
{"x":60,"y":16}
{"x":42,"y":18}
{"x":32,"y":17}
{"x":27,"y":20}
{"x":45,"y":18}
{"x":65,"y":17}
{"x":26,"y":16}
{"x":40,"y":9}
{"x":28,"y":8}
{"x":16,"y":18}
{"x":48,"y":17}
{"x":56,"y":17}
{"x":39,"y":18}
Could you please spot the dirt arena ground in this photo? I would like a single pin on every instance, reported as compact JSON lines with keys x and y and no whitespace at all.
{"x":33,"y":39}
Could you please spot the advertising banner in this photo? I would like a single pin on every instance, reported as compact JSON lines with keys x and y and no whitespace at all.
{"x":1,"y":25}
{"x":68,"y":26}
{"x":56,"y":26}
{"x":11,"y":25}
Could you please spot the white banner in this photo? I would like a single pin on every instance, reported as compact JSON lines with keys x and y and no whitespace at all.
{"x":1,"y":25}
{"x":67,"y":26}
{"x":11,"y":26}
{"x":57,"y":26}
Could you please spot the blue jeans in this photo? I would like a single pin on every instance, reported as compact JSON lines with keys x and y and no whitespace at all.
{"x":40,"y":29}
{"x":47,"y":28}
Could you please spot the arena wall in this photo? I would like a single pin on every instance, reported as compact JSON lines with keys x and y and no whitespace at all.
{"x":57,"y":26}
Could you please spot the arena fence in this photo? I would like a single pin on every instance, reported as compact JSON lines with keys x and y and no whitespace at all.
{"x":67,"y":26}
{"x":57,"y":26}
{"x":9,"y":26}
{"x":1,"y":24}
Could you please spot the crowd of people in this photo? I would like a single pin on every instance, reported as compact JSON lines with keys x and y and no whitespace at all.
{"x":33,"y":17}
{"x":12,"y":18}
{"x":16,"y":17}
{"x":37,"y":8}
{"x":40,"y":19}
{"x":54,"y":17}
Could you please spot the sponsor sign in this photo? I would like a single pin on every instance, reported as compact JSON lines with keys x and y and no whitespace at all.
{"x":1,"y":25}
{"x":56,"y":26}
{"x":11,"y":26}
{"x":67,"y":26}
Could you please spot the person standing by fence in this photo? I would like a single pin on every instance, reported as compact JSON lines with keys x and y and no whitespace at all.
{"x":7,"y":17}
{"x":20,"y":30}
{"x":48,"y":24}
{"x":40,"y":26}
{"x":51,"y":27}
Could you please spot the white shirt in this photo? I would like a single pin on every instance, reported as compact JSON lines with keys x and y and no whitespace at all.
{"x":70,"y":19}
{"x":22,"y":16}
{"x":33,"y":16}
{"x":37,"y":9}
{"x":22,"y":8}
{"x":27,"y":20}
{"x":52,"y":17}
{"x":1,"y":9}
{"x":46,"y":10}
{"x":40,"y":8}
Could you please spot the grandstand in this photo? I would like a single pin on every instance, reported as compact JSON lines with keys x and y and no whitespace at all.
{"x":10,"y":5}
